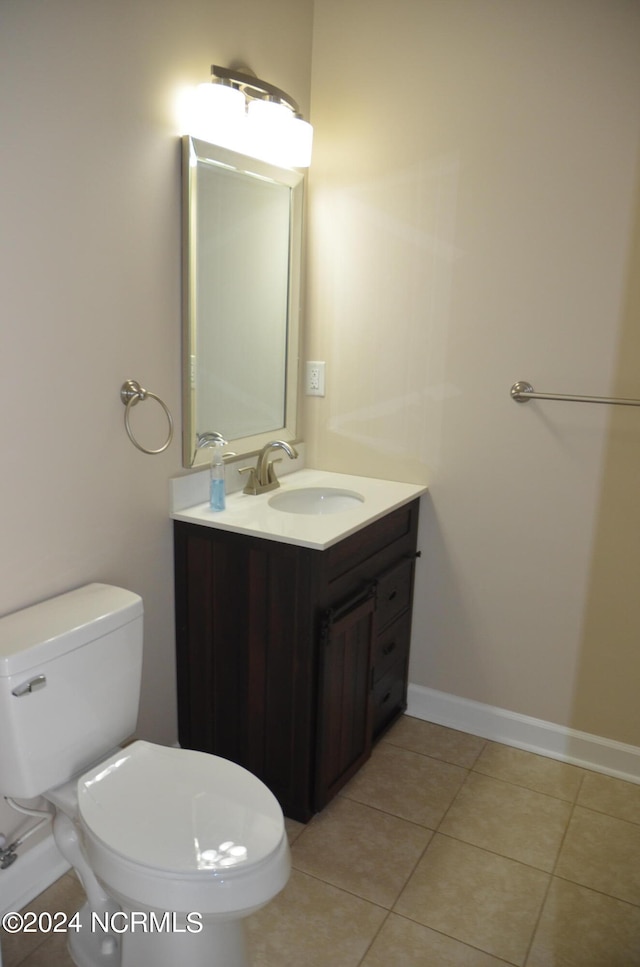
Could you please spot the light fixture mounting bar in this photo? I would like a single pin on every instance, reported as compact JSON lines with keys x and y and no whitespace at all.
{"x":252,"y":86}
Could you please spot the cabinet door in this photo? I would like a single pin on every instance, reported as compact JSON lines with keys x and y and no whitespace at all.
{"x":344,"y":694}
{"x":246,"y":657}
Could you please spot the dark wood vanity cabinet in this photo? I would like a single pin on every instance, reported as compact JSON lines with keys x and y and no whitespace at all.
{"x":293,"y":661}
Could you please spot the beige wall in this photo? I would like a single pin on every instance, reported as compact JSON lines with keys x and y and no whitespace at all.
{"x":90,"y":285}
{"x":473,"y":195}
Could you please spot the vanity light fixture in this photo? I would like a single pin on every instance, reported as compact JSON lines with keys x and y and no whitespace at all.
{"x":239,"y":111}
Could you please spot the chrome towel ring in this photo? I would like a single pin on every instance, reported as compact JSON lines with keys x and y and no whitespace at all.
{"x":131,"y":392}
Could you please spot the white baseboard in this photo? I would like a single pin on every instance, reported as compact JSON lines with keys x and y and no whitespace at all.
{"x":35,"y":869}
{"x":535,"y":735}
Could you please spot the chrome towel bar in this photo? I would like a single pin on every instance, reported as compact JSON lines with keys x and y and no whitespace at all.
{"x":522,"y":392}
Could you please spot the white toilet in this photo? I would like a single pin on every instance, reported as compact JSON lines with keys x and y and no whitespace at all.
{"x":173,"y":847}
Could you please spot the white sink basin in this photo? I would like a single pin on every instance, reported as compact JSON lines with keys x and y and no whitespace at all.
{"x":316,"y":500}
{"x":312,"y":508}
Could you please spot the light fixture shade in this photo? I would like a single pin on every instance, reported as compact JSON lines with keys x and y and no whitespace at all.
{"x":217,"y":114}
{"x":267,"y":123}
{"x":300,"y":143}
{"x":268,"y":113}
{"x":276,"y":135}
{"x":267,"y":128}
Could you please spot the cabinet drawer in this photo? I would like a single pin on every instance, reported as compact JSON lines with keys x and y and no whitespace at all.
{"x":351,"y":552}
{"x":393,"y":594}
{"x":391,"y":645}
{"x":389,"y":697}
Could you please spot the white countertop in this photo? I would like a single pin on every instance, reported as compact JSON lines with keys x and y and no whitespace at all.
{"x":253,"y":515}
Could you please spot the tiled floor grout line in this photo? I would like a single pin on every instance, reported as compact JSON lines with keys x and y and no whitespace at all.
{"x":510,"y":782}
{"x":45,"y":938}
{"x":402,"y":916}
{"x":436,"y":758}
{"x":382,"y":812}
{"x":522,"y":785}
{"x":594,"y":889}
{"x":552,"y":875}
{"x":388,"y":910}
{"x":543,"y":904}
{"x":342,"y":889}
{"x":609,"y":815}
{"x":450,"y":806}
{"x":493,"y":852}
{"x":373,"y":940}
{"x":385,"y":812}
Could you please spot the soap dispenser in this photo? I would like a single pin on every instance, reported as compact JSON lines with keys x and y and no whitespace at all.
{"x":217,"y":494}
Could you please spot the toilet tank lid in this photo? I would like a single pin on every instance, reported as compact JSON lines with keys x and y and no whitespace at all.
{"x":44,"y":631}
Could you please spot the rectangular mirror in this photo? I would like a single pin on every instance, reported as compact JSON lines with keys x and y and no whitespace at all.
{"x":242,"y":237}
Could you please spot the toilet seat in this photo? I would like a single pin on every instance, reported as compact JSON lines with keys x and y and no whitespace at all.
{"x":181,"y":830}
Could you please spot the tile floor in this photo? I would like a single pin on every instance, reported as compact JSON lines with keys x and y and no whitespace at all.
{"x":444,"y":851}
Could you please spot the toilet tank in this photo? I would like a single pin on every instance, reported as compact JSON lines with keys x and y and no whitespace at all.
{"x":69,"y":685}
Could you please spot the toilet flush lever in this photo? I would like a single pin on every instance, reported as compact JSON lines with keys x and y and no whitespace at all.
{"x":31,"y":686}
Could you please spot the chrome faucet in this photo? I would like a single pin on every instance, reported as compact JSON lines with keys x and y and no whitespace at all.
{"x":262,"y":477}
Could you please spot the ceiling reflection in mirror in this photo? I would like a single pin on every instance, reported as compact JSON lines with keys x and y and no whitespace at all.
{"x":242,"y":227}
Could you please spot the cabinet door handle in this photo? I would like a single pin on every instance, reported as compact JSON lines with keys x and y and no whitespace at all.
{"x":388,"y":649}
{"x":386,"y":698}
{"x":364,"y":595}
{"x":363,"y":602}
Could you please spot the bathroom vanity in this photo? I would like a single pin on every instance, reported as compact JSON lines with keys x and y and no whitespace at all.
{"x":292,"y":648}
{"x":293,"y":609}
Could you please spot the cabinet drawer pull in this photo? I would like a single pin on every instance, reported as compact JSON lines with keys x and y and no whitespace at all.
{"x":389,"y":648}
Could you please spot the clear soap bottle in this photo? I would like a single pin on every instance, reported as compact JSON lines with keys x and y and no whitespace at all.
{"x":217,"y":496}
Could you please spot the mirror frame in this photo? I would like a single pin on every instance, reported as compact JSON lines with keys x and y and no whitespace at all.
{"x":195,"y":151}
